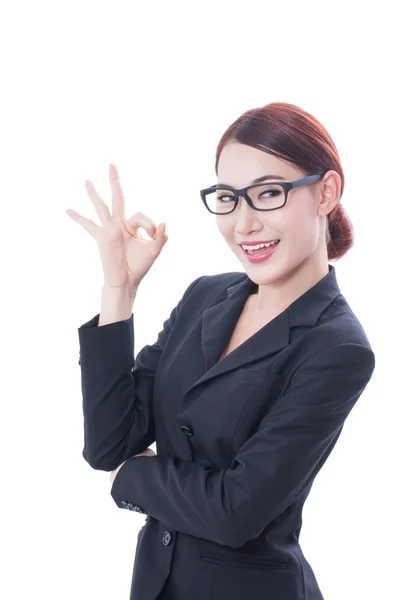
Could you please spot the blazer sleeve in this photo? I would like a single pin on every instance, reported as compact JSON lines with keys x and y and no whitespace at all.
{"x":117,"y":390}
{"x":272,"y":467}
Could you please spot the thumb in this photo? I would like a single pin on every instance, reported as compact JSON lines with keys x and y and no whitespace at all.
{"x":160,"y":237}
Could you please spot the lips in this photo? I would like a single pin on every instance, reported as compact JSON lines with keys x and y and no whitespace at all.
{"x":261,"y":255}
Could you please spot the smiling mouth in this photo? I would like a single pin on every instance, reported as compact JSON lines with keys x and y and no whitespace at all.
{"x":263,"y":250}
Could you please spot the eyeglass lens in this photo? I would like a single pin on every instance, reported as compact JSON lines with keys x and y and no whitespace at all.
{"x":265,"y":196}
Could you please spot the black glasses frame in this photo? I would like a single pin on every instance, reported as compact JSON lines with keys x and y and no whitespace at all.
{"x":287,"y":186}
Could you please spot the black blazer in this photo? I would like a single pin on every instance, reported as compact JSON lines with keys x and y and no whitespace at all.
{"x":239,"y":442}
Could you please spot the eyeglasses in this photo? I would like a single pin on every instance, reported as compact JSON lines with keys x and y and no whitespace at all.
{"x":222,"y":200}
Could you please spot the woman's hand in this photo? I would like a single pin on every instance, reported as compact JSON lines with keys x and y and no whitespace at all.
{"x":148,"y":452}
{"x":126,"y":256}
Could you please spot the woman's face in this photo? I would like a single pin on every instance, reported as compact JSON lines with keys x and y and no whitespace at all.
{"x":299,"y":225}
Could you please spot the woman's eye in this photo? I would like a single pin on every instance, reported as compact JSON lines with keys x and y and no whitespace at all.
{"x":222,"y":198}
{"x":273,"y":193}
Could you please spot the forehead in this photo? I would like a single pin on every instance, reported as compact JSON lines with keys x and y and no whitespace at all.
{"x":238,"y":164}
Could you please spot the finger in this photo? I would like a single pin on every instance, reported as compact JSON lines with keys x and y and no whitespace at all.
{"x":161,"y":230}
{"x":118,"y":202}
{"x":160,"y":238}
{"x":99,"y":204}
{"x":143,"y":221}
{"x":87,"y":224}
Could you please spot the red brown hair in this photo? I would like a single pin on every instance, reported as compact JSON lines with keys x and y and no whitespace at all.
{"x":292,"y":134}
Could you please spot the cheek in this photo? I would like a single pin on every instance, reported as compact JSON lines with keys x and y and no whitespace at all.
{"x":301,"y":228}
{"x":225,"y":226}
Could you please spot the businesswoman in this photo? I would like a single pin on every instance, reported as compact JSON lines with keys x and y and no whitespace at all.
{"x":250,"y":381}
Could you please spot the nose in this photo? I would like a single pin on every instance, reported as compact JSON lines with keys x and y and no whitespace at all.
{"x":245,"y":215}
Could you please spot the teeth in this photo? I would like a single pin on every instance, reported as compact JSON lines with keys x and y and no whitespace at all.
{"x":259,"y":245}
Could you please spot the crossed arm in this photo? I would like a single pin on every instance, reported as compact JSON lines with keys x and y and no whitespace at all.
{"x":271,"y":469}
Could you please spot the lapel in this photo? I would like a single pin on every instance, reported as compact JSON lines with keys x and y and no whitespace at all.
{"x":219,"y":320}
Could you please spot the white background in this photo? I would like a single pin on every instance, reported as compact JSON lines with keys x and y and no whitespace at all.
{"x":152,"y":87}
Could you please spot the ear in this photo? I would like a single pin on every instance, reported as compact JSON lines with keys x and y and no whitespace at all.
{"x":329,"y":192}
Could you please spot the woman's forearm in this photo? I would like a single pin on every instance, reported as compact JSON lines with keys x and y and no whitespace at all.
{"x":116,"y":304}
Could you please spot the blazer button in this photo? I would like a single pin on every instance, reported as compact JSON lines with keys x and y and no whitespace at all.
{"x":124,"y":504}
{"x":166,"y":538}
{"x":187,"y":430}
{"x":138,"y":509}
{"x":129,"y":506}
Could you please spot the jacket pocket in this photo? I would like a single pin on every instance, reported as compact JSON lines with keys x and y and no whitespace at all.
{"x":248,"y":562}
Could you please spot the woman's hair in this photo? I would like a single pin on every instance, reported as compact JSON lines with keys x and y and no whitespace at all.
{"x":292,"y":134}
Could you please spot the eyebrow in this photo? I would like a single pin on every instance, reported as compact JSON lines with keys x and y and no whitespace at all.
{"x":259,"y":179}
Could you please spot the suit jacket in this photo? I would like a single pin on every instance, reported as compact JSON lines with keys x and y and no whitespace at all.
{"x":239,"y":442}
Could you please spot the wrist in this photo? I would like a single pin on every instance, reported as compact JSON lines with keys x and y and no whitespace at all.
{"x":116,"y":304}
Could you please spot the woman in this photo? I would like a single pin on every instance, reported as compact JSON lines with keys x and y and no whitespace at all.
{"x":249,"y":383}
